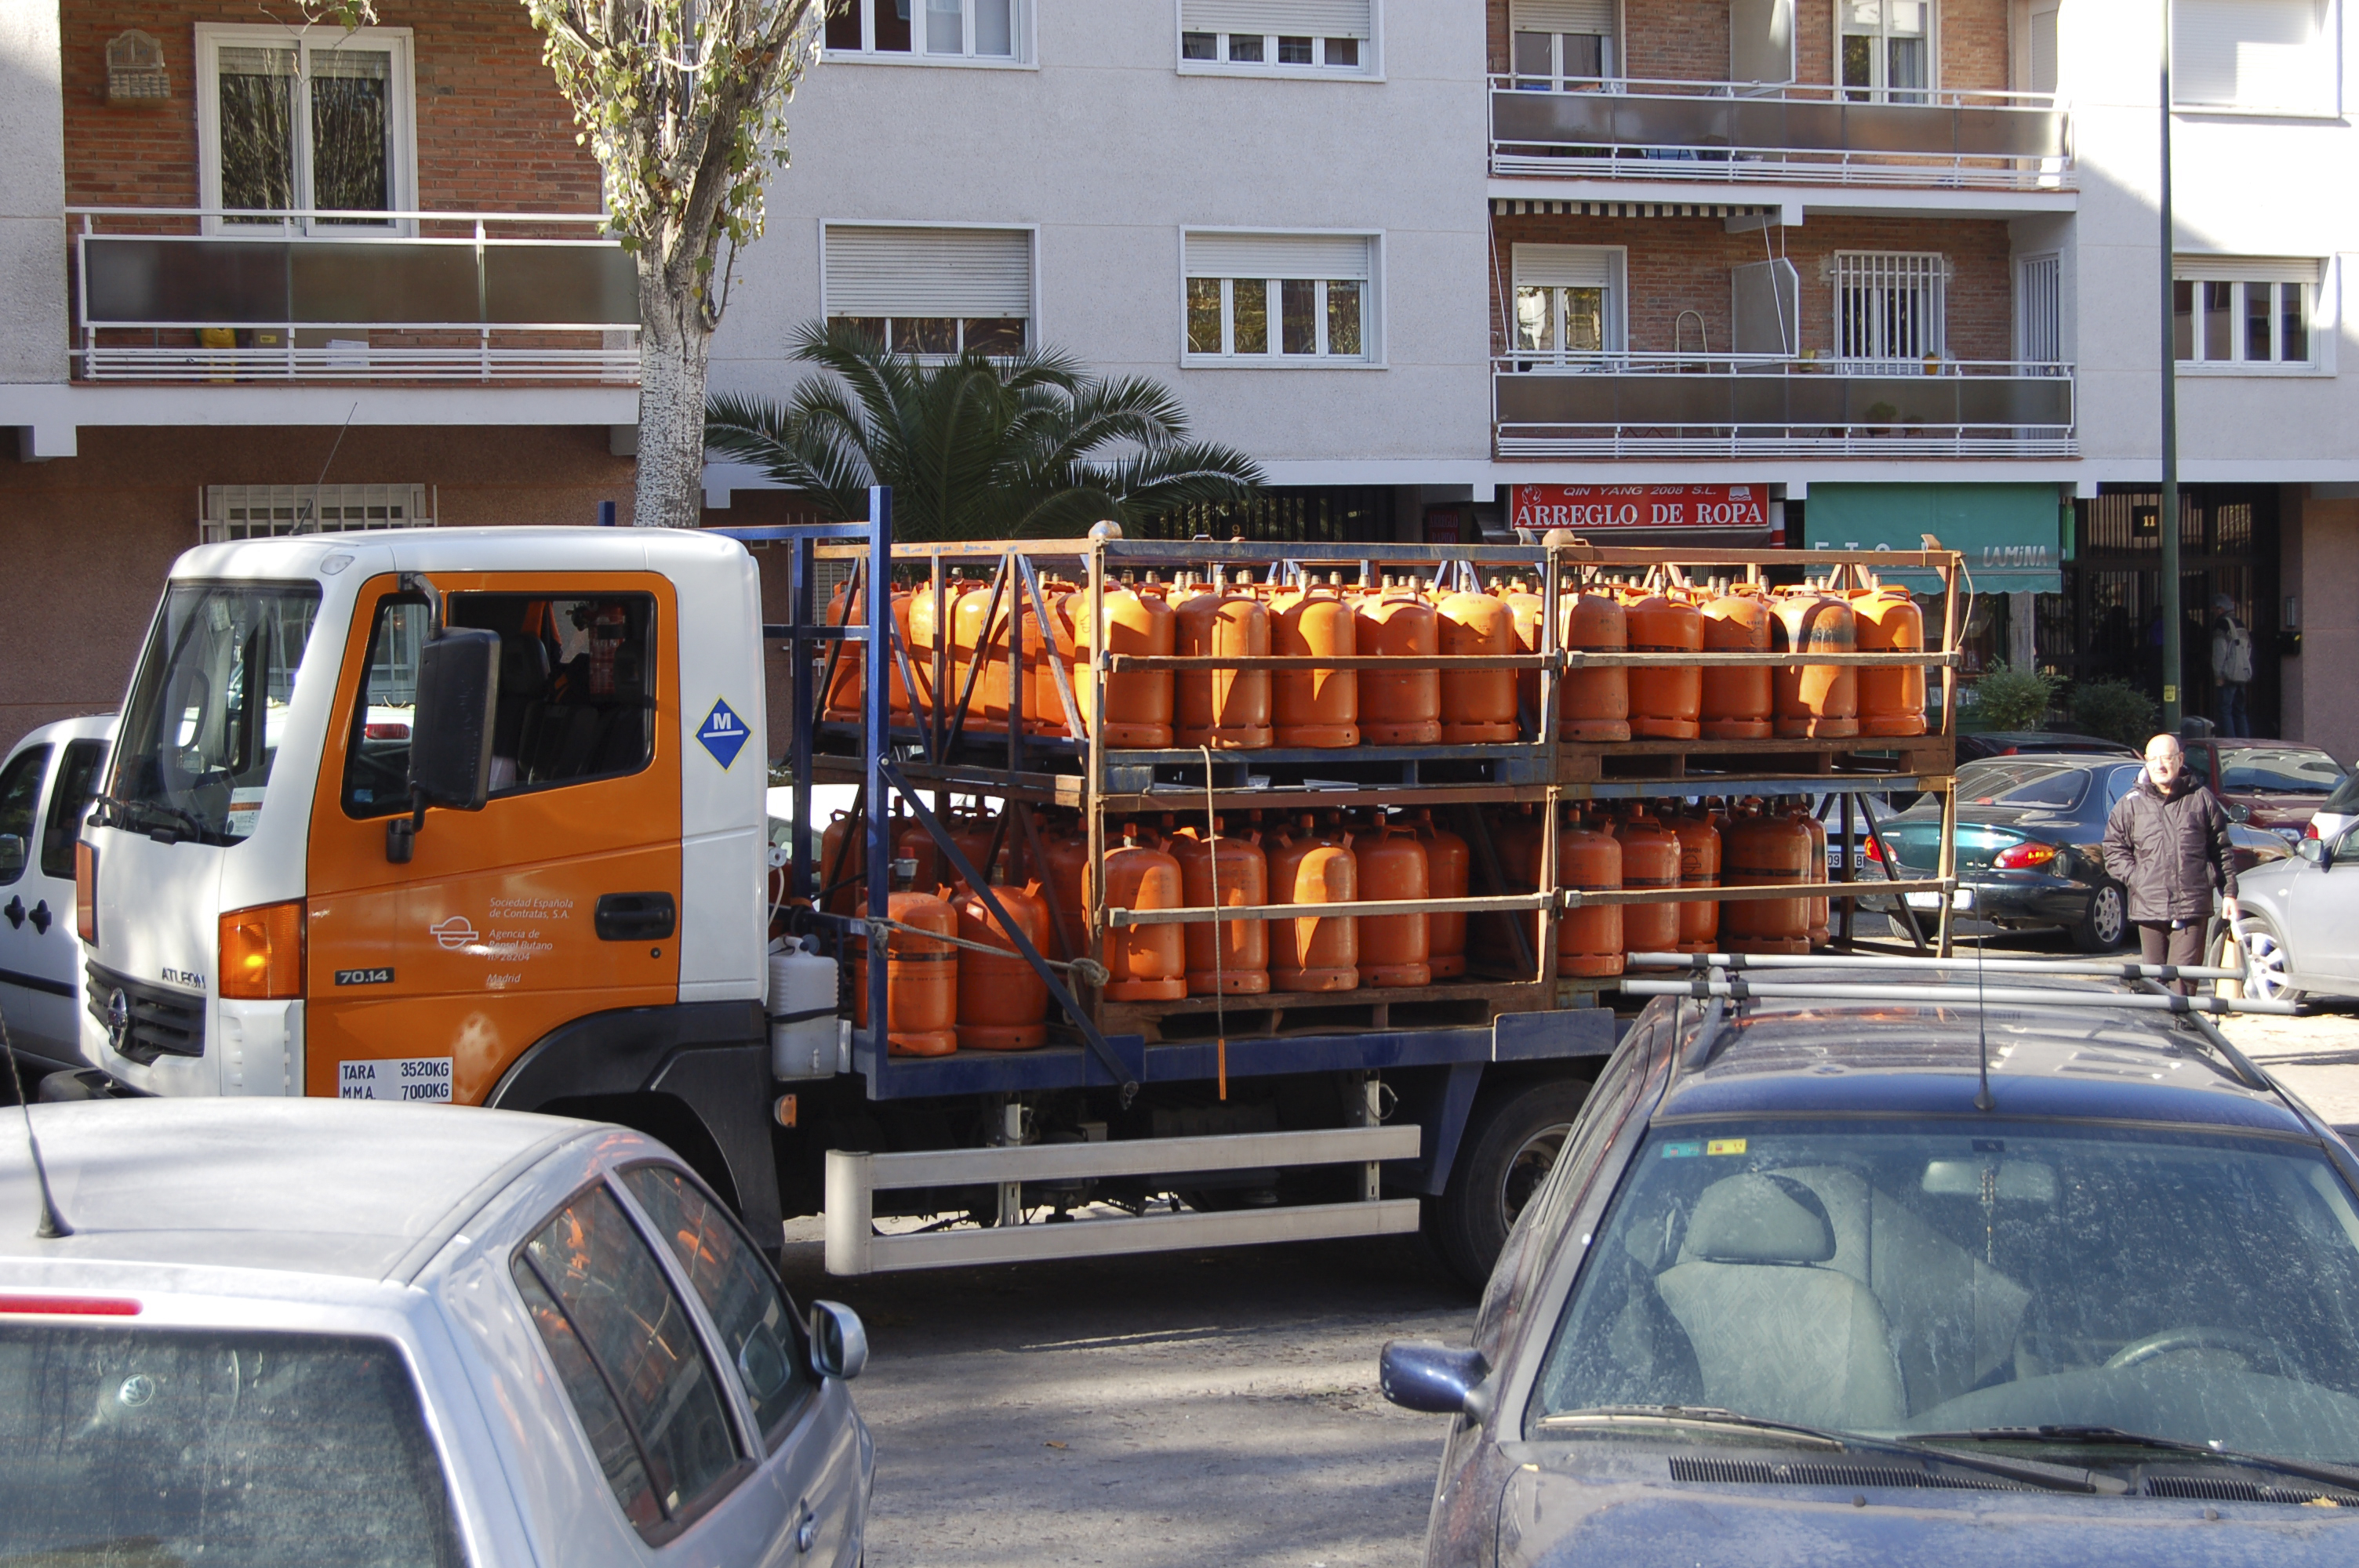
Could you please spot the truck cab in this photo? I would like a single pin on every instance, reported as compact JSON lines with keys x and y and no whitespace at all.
{"x":268,"y":907}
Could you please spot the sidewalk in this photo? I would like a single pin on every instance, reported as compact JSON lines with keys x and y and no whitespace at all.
{"x":2316,"y":1058}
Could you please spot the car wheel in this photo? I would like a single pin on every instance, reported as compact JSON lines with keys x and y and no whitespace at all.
{"x":2107,"y":926}
{"x":1512,"y":1142}
{"x":2266,"y":964}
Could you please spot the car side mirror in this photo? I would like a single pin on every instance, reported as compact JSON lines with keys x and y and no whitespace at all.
{"x":2239,"y":812}
{"x":12,"y":854}
{"x":451,"y":730}
{"x":1440,"y":1379}
{"x":2315,"y":851}
{"x":839,"y":1346}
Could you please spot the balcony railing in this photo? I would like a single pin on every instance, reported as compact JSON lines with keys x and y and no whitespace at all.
{"x":1756,"y":405}
{"x":1786,"y":134}
{"x":203,"y":295}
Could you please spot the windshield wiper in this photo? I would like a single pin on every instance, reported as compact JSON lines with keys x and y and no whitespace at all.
{"x":2117,"y":1437}
{"x":119,"y":809}
{"x":2033,"y":1472}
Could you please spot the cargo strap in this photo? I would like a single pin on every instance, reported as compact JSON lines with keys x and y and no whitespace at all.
{"x":1089,"y":971}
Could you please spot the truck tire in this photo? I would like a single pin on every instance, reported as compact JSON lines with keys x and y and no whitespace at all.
{"x":1512,"y":1138}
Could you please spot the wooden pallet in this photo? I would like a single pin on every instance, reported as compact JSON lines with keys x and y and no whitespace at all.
{"x":1468,"y":1004}
{"x":1856,"y":760}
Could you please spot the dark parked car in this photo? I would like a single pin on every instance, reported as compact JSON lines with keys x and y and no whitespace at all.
{"x":2037,"y":742}
{"x":2028,"y":835}
{"x":1790,"y":1296}
{"x":2273,"y":785}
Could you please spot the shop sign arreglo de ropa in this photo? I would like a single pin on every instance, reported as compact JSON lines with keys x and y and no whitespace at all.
{"x":1597,"y":508}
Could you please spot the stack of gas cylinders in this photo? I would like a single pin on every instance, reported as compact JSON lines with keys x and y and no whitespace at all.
{"x":1427,"y":703}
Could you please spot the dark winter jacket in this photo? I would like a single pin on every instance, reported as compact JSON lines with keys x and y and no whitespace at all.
{"x":2170,"y":849}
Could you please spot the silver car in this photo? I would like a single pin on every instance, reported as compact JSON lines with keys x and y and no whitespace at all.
{"x":303,"y":1332}
{"x":2300,"y":924}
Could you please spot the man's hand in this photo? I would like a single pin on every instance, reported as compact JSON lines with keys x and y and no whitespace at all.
{"x":2229,"y":908}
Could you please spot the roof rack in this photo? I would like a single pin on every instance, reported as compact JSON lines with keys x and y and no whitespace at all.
{"x":2098,"y":968}
{"x":1961,"y":996}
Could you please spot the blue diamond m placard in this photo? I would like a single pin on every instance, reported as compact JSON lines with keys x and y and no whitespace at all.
{"x":723,"y":734}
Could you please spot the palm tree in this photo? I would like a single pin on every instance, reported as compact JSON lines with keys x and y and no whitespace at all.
{"x":978,"y":447}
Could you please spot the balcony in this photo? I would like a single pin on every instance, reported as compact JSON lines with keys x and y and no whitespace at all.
{"x":1747,"y":133}
{"x":200,"y":295}
{"x":1768,"y":405}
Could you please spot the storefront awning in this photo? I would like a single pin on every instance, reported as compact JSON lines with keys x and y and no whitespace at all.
{"x":2010,"y":532}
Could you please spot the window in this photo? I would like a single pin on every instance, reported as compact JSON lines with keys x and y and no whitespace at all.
{"x":576,"y":693}
{"x":1887,"y":49}
{"x":932,"y":291}
{"x":1560,"y":43}
{"x":1888,"y":304}
{"x":266,"y":511}
{"x":939,"y":32}
{"x":317,"y":119}
{"x":1311,"y":38}
{"x":2270,"y":56}
{"x":1279,"y":298}
{"x":630,"y":1362}
{"x":740,"y":1295}
{"x":1569,"y":300}
{"x":2245,"y":313}
{"x":2039,"y":310}
{"x":20,"y":802}
{"x":69,"y":804}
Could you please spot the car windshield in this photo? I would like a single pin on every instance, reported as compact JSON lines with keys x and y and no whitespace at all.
{"x":2278,"y":770}
{"x":1892,"y":1277}
{"x":168,"y":1446}
{"x":202,"y":726}
{"x":2040,"y":781}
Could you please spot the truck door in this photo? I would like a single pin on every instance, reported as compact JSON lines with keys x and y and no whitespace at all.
{"x":27,"y":996}
{"x":559,"y":900}
{"x":50,"y":995}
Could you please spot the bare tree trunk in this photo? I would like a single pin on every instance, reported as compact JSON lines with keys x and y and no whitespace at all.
{"x":674,"y":346}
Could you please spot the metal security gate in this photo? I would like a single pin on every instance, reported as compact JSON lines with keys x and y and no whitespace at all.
{"x":1889,"y":303}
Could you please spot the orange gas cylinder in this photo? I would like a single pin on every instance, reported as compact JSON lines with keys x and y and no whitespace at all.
{"x":1891,"y":700}
{"x":1138,"y":702}
{"x":1664,"y":701}
{"x":928,"y":632}
{"x":1003,"y":1002}
{"x":1819,"y":906}
{"x":920,"y":978}
{"x":1588,"y":940}
{"x":972,"y":642}
{"x":1144,"y":963}
{"x":1069,"y":870}
{"x":1446,"y":871}
{"x":1737,"y":702}
{"x":1477,"y":705}
{"x":1395,"y":949}
{"x":1762,"y":851}
{"x":1515,"y":841}
{"x":1316,"y":707}
{"x":1650,"y":858}
{"x":845,"y":687}
{"x":972,"y":835}
{"x":1316,"y":953}
{"x":1399,"y":709}
{"x":1241,"y":871}
{"x":1699,"y":868}
{"x":1815,"y":701}
{"x":1044,"y":706}
{"x":1525,"y":610}
{"x":1595,"y":702}
{"x":843,"y":866}
{"x":1225,"y":710}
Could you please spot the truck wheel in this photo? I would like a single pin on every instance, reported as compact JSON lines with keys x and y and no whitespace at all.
{"x":2107,"y":925}
{"x":1512,"y":1138}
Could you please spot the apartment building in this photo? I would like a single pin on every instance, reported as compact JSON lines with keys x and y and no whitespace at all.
{"x":256,"y":277}
{"x":1839,"y":271}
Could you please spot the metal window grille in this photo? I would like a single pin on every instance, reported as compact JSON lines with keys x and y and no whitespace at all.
{"x":1888,"y":304}
{"x":2039,"y":312}
{"x":269,"y":510}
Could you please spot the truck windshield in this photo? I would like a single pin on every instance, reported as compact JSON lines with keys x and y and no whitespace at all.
{"x":1895,"y":1278}
{"x":171,"y":1445}
{"x":202,"y":726}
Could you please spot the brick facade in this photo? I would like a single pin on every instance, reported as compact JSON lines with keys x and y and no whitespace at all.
{"x":494,"y":134}
{"x":1687,"y":40}
{"x":1684,"y":263}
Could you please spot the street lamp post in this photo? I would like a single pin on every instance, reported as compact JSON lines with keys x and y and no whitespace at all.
{"x":2166,"y":523}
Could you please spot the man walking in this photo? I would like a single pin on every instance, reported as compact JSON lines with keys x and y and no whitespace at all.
{"x":2232,"y":667}
{"x":2167,"y":843}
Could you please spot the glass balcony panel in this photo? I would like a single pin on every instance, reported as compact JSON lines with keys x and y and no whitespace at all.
{"x":192,"y":281}
{"x":1898,"y":128}
{"x":2009,"y":133}
{"x":561,"y":283}
{"x":1577,"y":118}
{"x":361,"y":282}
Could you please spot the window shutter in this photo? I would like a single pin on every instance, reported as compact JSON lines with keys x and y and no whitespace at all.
{"x":1278,"y":255}
{"x":1564,"y":266}
{"x":2251,"y":54}
{"x":2245,"y":269}
{"x":1293,"y":18}
{"x":1594,"y":17}
{"x":928,"y":272}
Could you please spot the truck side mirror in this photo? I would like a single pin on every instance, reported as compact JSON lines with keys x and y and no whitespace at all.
{"x":451,"y":732}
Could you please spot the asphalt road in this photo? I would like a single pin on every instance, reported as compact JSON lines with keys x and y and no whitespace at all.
{"x":1190,"y":1409}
